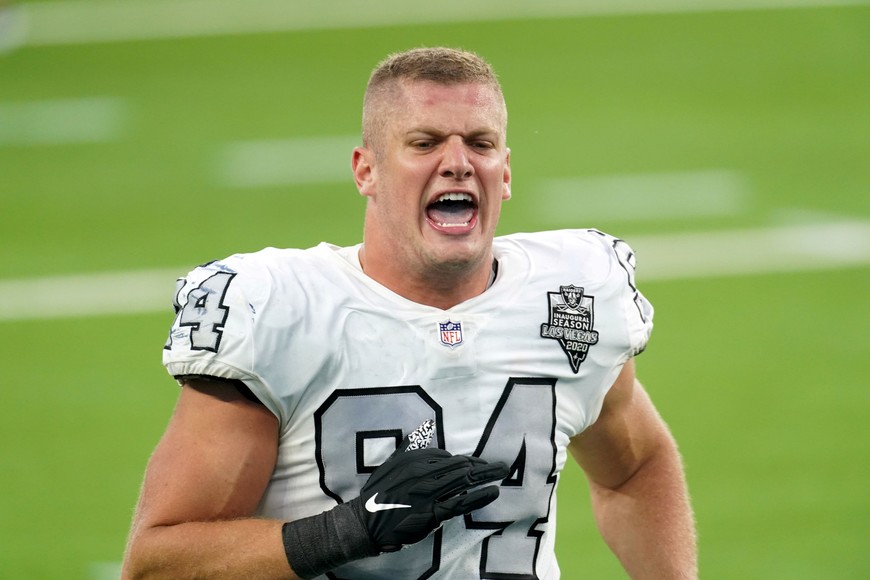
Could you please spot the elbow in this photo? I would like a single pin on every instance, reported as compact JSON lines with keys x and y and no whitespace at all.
{"x":131,"y":571}
{"x":131,"y":567}
{"x":137,"y":563}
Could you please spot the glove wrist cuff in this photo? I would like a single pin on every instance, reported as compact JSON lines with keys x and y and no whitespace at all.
{"x":320,"y":543}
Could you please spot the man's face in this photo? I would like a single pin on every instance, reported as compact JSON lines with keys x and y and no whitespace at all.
{"x":437,"y":175}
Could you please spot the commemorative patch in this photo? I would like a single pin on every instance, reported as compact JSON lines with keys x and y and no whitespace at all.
{"x":450,"y":333}
{"x":572,"y":319}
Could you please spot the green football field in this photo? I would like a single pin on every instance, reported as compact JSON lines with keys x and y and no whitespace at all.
{"x":730,"y":146}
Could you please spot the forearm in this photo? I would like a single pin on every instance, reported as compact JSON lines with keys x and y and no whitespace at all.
{"x":243,"y":548}
{"x":648,"y":522}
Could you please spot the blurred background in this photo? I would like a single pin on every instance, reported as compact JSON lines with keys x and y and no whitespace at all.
{"x":727,"y":141}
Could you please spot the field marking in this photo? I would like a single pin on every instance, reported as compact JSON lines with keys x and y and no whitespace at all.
{"x":78,"y":295}
{"x":640,"y":197}
{"x":285,"y":161}
{"x":326,"y":159}
{"x":62,"y":121}
{"x":96,"y":21}
{"x":104,"y":571}
{"x":779,"y":249}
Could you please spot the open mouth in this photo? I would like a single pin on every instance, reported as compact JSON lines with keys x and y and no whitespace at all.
{"x":452,"y":210}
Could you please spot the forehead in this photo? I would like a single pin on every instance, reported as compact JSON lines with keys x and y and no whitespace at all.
{"x":464,"y":106}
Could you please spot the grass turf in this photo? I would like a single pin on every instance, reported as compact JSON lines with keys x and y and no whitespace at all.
{"x":763,"y":379}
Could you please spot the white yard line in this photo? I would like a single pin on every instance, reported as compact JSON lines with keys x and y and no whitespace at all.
{"x":285,"y":161}
{"x":629,"y":197}
{"x":94,"y":21}
{"x":62,"y":121}
{"x":790,"y":248}
{"x":780,"y":249}
{"x":104,"y":571}
{"x":640,"y":197}
{"x":88,"y":294}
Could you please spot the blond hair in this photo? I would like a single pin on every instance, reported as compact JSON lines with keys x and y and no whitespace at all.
{"x":446,"y":66}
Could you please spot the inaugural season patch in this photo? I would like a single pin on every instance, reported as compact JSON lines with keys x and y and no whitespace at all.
{"x":571,"y":323}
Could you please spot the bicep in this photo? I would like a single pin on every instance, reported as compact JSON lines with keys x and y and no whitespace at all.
{"x":628,"y":433}
{"x":214,"y":460}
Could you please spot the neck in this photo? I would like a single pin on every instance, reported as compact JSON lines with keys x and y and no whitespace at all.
{"x":441,"y":288}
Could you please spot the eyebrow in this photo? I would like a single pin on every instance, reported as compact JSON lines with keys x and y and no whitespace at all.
{"x":492,"y":134}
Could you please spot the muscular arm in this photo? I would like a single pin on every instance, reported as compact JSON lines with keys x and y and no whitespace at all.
{"x":202,"y":486}
{"x":638,"y":489}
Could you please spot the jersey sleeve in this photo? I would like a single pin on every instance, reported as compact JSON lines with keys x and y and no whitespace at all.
{"x":636,"y":309}
{"x":213,"y":331}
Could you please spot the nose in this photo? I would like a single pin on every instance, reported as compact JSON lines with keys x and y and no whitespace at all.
{"x":455,"y":162}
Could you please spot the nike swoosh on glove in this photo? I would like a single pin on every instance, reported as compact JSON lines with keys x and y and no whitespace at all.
{"x":403,"y":501}
{"x":423,"y":488}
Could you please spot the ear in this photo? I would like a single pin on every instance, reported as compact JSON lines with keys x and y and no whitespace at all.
{"x":362,"y":164}
{"x":506,"y":194}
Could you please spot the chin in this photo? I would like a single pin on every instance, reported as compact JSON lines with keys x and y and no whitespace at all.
{"x":457,"y":257}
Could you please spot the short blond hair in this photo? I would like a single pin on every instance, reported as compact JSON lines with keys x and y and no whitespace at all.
{"x":446,"y":66}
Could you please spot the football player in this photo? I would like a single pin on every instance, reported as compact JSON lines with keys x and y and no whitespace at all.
{"x":403,"y":408}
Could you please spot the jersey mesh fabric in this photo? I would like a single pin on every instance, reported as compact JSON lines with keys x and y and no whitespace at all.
{"x":349,"y":368}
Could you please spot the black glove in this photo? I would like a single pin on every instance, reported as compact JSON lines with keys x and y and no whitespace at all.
{"x":413,"y":492}
{"x":406,"y":498}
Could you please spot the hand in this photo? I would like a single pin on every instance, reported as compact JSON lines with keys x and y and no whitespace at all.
{"x":414,"y":491}
{"x":404,"y":500}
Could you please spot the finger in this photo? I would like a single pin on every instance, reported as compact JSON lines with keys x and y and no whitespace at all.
{"x":489,"y":472}
{"x":477,"y":461}
{"x":421,"y":437}
{"x":465,"y":503}
{"x":403,"y":445}
{"x":442,"y":483}
{"x":423,"y":463}
{"x":453,"y":475}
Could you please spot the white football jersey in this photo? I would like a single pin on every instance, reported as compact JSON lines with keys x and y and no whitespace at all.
{"x":349,"y":368}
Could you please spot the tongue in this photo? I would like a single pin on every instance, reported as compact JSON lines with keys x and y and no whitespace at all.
{"x":448,"y":213}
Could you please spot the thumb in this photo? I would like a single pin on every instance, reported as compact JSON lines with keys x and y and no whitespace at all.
{"x":419,"y":438}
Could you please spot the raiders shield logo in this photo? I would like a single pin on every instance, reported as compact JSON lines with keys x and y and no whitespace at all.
{"x":571,"y":323}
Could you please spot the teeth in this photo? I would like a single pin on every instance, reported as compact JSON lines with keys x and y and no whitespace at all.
{"x":454,"y":197}
{"x":463,"y":224}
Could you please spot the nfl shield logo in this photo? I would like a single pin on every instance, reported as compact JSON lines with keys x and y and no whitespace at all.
{"x":451,"y":333}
